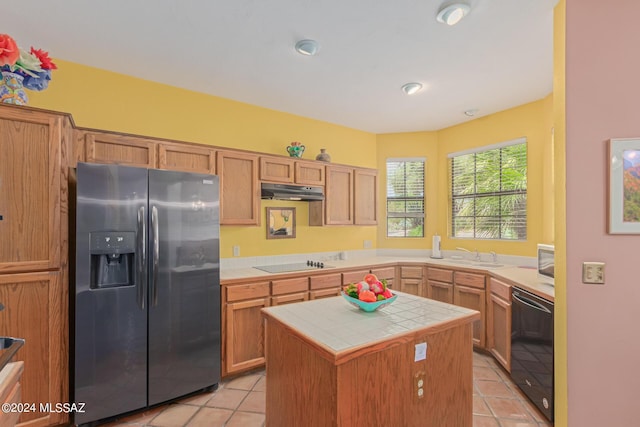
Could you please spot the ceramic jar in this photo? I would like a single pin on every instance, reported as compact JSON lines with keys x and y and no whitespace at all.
{"x":11,"y":89}
{"x":323,"y":156}
{"x":295,"y":149}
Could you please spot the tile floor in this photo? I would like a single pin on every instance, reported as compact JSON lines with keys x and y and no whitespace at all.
{"x":240,"y":402}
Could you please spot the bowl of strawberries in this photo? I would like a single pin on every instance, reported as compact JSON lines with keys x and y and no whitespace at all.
{"x":370,"y":294}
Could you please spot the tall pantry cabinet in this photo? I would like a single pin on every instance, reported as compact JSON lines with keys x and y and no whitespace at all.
{"x":34,"y":252}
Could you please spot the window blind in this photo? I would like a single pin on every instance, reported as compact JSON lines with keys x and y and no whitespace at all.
{"x":489,"y":192}
{"x":405,"y":197}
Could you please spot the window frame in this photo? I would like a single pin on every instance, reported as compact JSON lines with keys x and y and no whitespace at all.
{"x":476,"y":195}
{"x":406,"y":215}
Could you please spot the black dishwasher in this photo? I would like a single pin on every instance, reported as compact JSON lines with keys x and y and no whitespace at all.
{"x":532,"y":348}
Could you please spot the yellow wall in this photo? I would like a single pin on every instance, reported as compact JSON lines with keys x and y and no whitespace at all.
{"x":533,"y":121}
{"x":105,"y":100}
{"x":560,"y":308}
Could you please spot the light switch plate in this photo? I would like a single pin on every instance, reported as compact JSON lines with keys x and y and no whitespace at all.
{"x":593,"y":273}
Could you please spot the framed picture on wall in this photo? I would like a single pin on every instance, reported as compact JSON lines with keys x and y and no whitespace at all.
{"x":624,"y":186}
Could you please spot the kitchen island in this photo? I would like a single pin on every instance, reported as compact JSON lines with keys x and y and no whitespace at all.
{"x":330,"y":364}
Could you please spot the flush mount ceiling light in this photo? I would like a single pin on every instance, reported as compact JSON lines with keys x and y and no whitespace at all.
{"x":307,"y":47}
{"x":472,"y":112}
{"x":453,"y":13}
{"x":411,"y":88}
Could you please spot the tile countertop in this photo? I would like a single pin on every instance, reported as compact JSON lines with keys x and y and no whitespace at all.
{"x":524,"y":277}
{"x":350,"y":328}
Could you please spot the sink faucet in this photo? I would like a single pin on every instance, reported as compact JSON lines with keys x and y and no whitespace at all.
{"x":494,"y":257}
{"x":463,"y":250}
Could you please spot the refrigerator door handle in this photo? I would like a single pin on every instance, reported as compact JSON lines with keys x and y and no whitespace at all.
{"x":141,"y":280}
{"x":155,"y":256}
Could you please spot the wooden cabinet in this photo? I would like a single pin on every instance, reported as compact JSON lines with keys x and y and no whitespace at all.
{"x":277,"y":169}
{"x":108,"y":147}
{"x":353,"y":276}
{"x":286,"y":291}
{"x":365,"y":192}
{"x":499,"y":322}
{"x":239,"y":188}
{"x":186,"y":158}
{"x":411,"y":280}
{"x":324,"y":286}
{"x":243,"y":326}
{"x":386,"y":273}
{"x":338,"y":203}
{"x":30,"y":191}
{"x":36,"y":310}
{"x":309,"y":173}
{"x":34,"y":149}
{"x":469,"y":291}
{"x":10,"y":392}
{"x":440,"y":284}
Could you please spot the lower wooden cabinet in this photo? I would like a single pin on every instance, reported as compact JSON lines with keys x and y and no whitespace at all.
{"x":244,"y":327}
{"x":35,"y":309}
{"x":440,"y":284}
{"x":324,"y":293}
{"x":469,"y":291}
{"x":411,"y":280}
{"x":499,"y":322}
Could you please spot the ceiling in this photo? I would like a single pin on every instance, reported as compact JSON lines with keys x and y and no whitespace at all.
{"x":499,"y":56}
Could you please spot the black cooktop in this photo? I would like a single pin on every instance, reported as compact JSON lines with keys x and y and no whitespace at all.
{"x":297,"y":266}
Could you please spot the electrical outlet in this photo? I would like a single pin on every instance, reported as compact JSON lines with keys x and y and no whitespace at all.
{"x":593,"y":272}
{"x":236,"y":251}
{"x":418,"y":383}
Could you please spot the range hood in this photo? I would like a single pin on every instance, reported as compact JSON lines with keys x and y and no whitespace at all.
{"x":291,"y":192}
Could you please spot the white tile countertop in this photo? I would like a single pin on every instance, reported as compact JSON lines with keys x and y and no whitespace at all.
{"x":518,"y":270}
{"x":350,"y":328}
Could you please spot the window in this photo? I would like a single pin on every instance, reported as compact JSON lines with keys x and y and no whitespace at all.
{"x":405,"y":197}
{"x":489,"y":192}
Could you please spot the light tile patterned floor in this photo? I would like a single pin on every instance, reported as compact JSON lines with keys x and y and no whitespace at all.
{"x":240,"y":402}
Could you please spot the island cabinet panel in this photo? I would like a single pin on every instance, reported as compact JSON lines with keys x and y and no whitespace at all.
{"x":499,"y":322}
{"x":128,"y":150}
{"x":35,"y":309}
{"x":469,"y":291}
{"x":186,"y":158}
{"x":309,"y":173}
{"x":386,"y":273}
{"x":10,"y":392}
{"x":359,"y":389}
{"x":338,"y":201}
{"x":277,"y":169}
{"x":365,"y":206}
{"x":239,"y":188}
{"x":30,"y":191}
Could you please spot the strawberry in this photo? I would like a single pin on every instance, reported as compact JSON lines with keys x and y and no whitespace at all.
{"x":387,"y":293}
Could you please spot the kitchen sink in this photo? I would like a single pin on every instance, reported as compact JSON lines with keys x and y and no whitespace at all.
{"x":474,"y":263}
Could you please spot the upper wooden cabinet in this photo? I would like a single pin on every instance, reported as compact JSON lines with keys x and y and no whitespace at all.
{"x":186,"y":158}
{"x":291,"y":171}
{"x":106,"y":147}
{"x":351,"y":197}
{"x":309,"y":173}
{"x":365,"y":191}
{"x":239,"y":188}
{"x":30,"y":190}
{"x":277,"y":169}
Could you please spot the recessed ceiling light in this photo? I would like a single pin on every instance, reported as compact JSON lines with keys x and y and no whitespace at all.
{"x":307,"y":47}
{"x":411,"y":88}
{"x":453,"y":13}
{"x":472,"y":112}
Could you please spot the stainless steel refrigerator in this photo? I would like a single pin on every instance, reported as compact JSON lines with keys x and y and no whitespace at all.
{"x":146,"y":312}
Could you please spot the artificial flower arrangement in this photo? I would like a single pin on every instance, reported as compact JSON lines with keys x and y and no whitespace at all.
{"x":34,"y":66}
{"x":369,"y":294}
